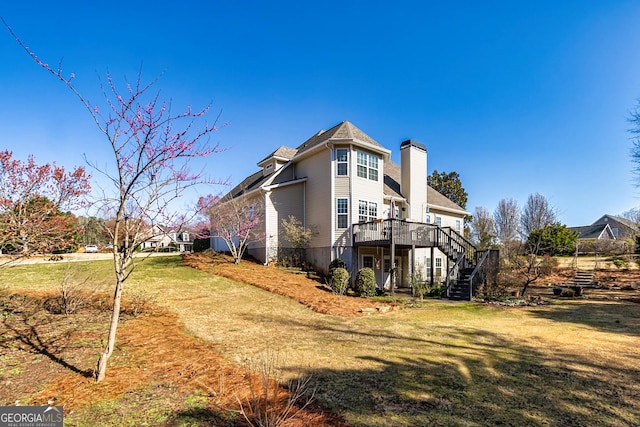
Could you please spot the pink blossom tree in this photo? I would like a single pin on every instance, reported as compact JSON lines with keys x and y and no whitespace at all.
{"x":32,"y":198}
{"x":152,"y":149}
{"x":235,"y":220}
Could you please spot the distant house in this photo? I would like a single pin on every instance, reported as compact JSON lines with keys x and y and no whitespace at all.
{"x":594,"y":232}
{"x":163,"y":240}
{"x":608,"y":227}
{"x":369,"y":211}
{"x":621,"y":228}
{"x":609,"y":234}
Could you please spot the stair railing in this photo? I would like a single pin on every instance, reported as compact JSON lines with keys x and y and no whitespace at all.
{"x":475,"y":271}
{"x":455,"y":267}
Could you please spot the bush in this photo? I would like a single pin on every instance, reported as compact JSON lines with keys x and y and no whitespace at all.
{"x":619,"y":262}
{"x":419,"y":284}
{"x":436,"y":292}
{"x":365,"y":284}
{"x":339,"y":281}
{"x":569,"y":293}
{"x":336,"y":263}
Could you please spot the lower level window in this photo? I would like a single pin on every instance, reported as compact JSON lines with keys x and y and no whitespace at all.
{"x":367,"y":261}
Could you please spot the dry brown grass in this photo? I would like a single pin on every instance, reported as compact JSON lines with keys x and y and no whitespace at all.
{"x":55,"y":355}
{"x":310,"y":291}
{"x":567,"y":362}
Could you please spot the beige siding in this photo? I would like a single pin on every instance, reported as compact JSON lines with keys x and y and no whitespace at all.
{"x":366,"y":189}
{"x":448,"y":219}
{"x":286,"y":201}
{"x":318,"y":194}
{"x":284,"y":175}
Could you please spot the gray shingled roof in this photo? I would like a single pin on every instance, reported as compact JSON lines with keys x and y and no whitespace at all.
{"x":392,"y":188}
{"x":589,"y":231}
{"x":343,"y":130}
{"x":282,"y":152}
{"x":250,"y":183}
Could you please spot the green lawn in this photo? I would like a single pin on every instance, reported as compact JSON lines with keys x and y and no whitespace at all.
{"x":571,"y":362}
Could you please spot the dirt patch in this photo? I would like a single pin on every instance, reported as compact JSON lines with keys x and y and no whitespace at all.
{"x":310,"y":291}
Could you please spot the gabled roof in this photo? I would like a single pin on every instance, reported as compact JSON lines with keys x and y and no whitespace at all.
{"x":282,"y":153}
{"x":250,"y":183}
{"x":342,"y":131}
{"x":597,"y":231}
{"x":624,"y":221}
{"x":434,"y":198}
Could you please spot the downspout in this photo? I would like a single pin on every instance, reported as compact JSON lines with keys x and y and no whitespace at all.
{"x":266,"y":236}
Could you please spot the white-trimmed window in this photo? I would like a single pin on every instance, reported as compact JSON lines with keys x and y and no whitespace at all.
{"x":367,"y":166}
{"x":367,"y":211}
{"x":427,"y":263}
{"x":428,"y":219}
{"x":342,"y":213}
{"x":342,"y":161}
{"x":439,"y":221}
{"x":367,"y":261}
{"x":438,"y":267}
{"x":458,"y":226}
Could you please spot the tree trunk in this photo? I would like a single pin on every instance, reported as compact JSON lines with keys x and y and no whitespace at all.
{"x":101,"y":368}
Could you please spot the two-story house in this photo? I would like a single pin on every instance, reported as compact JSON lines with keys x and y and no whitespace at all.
{"x":368,"y":210}
{"x":160,"y":240}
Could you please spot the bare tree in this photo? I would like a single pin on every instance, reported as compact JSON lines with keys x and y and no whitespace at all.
{"x":483,"y":232}
{"x":506,"y":219}
{"x":235,"y":220}
{"x":634,"y":119}
{"x":152,"y":148}
{"x":536,"y":214}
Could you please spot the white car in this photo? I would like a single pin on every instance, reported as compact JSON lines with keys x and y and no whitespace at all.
{"x":91,"y":249}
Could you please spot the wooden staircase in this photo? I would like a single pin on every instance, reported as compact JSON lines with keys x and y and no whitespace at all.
{"x":463,"y":288}
{"x":467,"y":273}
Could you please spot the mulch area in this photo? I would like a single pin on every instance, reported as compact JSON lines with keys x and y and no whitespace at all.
{"x":154,"y":359}
{"x":310,"y":291}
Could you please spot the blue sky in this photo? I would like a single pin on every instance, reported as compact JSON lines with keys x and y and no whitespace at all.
{"x":517,"y":97}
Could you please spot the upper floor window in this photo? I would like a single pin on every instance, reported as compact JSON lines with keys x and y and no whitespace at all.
{"x":342,"y":161}
{"x":458,"y":225}
{"x":367,"y":211}
{"x":367,"y":166}
{"x":428,"y":219}
{"x":439,"y":221}
{"x":342,"y":211}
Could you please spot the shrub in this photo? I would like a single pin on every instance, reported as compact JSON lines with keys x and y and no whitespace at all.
{"x":336,"y":263}
{"x":269,"y":405}
{"x":619,"y":262}
{"x":365,"y":284}
{"x":436,"y":292}
{"x":419,"y":284}
{"x":339,"y":281}
{"x":570,"y":293}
